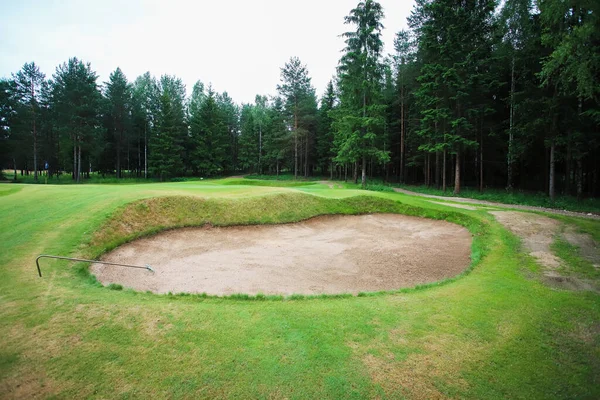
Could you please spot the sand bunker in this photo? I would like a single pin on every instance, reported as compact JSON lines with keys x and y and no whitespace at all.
{"x":331,"y":254}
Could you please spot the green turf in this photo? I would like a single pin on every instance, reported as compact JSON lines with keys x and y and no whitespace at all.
{"x":496,"y":332}
{"x":282,"y":177}
{"x":255,"y":182}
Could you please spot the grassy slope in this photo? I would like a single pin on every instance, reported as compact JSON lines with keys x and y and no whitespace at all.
{"x":493,"y":333}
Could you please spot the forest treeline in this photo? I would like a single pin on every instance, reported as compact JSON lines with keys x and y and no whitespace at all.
{"x":478,"y":92}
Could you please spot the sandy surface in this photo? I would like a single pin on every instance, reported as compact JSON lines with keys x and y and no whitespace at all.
{"x":333,"y":254}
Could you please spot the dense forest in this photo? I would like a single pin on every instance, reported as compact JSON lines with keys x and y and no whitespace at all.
{"x":478,"y":93}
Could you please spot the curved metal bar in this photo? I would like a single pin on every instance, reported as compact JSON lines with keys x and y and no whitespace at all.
{"x":37,"y":262}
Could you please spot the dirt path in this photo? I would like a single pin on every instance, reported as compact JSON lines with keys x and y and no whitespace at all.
{"x":494,"y":204}
{"x":538,"y":233}
{"x":461,"y":206}
{"x":334,"y":254}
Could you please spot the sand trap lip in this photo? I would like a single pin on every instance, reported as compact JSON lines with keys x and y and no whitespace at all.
{"x":323,"y":255}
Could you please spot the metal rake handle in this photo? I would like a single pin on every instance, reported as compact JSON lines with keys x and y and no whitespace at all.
{"x":37,"y":262}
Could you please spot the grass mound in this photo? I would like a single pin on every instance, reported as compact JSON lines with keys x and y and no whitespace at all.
{"x":150,"y":216}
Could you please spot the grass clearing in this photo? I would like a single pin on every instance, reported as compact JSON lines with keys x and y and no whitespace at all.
{"x":495,"y":332}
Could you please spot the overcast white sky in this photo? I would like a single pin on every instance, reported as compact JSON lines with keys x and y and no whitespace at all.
{"x":237,"y":45}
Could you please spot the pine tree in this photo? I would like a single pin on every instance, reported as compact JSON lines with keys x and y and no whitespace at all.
{"x":210,"y":135}
{"x":296,"y":90}
{"x":517,"y":28}
{"x":572,"y":31}
{"x":28,"y":85}
{"x":248,"y":140}
{"x":453,"y":40}
{"x":260,"y":115}
{"x":11,"y":136}
{"x":405,"y":78}
{"x":118,"y":95}
{"x":167,"y":141}
{"x":76,"y":100}
{"x":359,"y":119}
{"x":145,"y":111}
{"x":277,"y":140}
{"x":325,"y":131}
{"x":230,"y":115}
{"x":197,"y":150}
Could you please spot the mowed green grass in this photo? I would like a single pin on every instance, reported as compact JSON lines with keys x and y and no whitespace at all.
{"x":495,"y":332}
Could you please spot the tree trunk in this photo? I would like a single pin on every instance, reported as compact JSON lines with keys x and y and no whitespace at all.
{"x":429,"y":170}
{"x":579,"y":179}
{"x":444,"y":172}
{"x":57,"y":169}
{"x":579,"y":161}
{"x":79,"y":165}
{"x":402,"y":135}
{"x":331,"y":172}
{"x":260,"y":148}
{"x":363,"y":181}
{"x":145,"y":152}
{"x":437,"y":169}
{"x":481,"y":164}
{"x":75,"y":159}
{"x":35,"y":162}
{"x":355,"y":172}
{"x":510,"y":155}
{"x":306,"y":157}
{"x":139,"y":166}
{"x":551,"y":179}
{"x":387,"y":172}
{"x":568,"y":169}
{"x":128,"y":158}
{"x":457,"y":173}
{"x":119,"y":159}
{"x":425,"y":169}
{"x":300,"y":157}
{"x":15,"y":167}
{"x":296,"y":142}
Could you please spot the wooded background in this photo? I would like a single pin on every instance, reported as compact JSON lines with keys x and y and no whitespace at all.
{"x":478,"y":93}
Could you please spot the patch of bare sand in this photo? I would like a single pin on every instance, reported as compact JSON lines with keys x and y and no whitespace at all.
{"x":588,"y":248}
{"x":331,"y":254}
{"x":537,"y":233}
